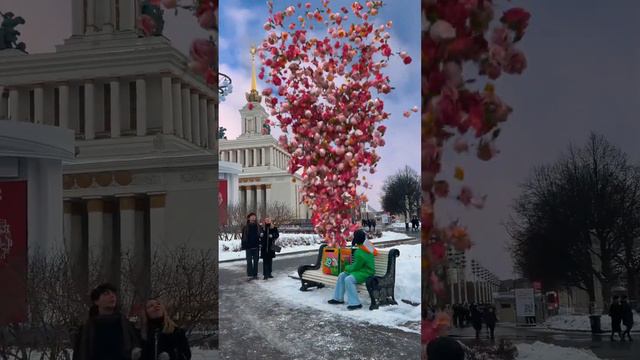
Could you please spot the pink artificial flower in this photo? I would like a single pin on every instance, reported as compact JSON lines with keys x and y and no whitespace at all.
{"x":407,"y":60}
{"x":500,"y":37}
{"x":206,"y":15}
{"x":465,"y":196}
{"x":169,"y":4}
{"x":204,"y":52}
{"x":147,"y":25}
{"x":516,"y":18}
{"x":516,"y":62}
{"x":442,"y":31}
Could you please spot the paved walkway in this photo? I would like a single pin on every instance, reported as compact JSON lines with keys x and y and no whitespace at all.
{"x":254,"y":325}
{"x":599,"y":344}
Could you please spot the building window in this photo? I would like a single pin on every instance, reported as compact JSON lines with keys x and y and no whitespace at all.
{"x":107,"y":108}
{"x":56,"y":106}
{"x":133,"y":99}
{"x":32,"y":107}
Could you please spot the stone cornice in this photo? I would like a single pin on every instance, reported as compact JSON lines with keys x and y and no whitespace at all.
{"x":140,"y":163}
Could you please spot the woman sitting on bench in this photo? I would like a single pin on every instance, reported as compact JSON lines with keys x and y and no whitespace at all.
{"x":362,"y":268}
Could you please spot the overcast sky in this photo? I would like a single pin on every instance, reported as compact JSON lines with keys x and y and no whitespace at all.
{"x":583,"y":75}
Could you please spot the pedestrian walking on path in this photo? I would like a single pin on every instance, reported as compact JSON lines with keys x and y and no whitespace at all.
{"x":250,"y":242}
{"x":268,"y":236}
{"x":615,"y":312}
{"x":627,"y":317}
{"x":476,"y":319}
{"x":490,"y":319}
{"x":358,"y":272}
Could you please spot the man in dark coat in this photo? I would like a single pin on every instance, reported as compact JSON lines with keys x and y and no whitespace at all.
{"x":476,"y":319}
{"x":268,"y":236}
{"x":615,"y":312}
{"x":251,"y":244}
{"x":627,"y":317}
{"x":107,"y":334}
{"x":456,"y":314}
{"x":373,"y":223}
{"x":490,"y":319}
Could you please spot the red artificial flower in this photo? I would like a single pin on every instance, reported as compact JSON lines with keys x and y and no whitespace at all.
{"x":206,"y":15}
{"x":516,"y":19}
{"x":407,"y":60}
{"x":203,"y":51}
{"x":147,"y":25}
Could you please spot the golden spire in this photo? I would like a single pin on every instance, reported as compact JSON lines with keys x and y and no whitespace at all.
{"x":253,"y":95}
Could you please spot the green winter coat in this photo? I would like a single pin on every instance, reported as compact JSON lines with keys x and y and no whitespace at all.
{"x":363,"y":266}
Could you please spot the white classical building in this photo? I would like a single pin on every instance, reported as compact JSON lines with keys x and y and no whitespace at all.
{"x":264,"y":179}
{"x":145,"y":171}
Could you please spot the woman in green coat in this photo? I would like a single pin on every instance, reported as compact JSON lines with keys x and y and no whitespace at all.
{"x":358,"y":272}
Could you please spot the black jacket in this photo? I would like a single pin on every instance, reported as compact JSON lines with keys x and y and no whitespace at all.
{"x":490,"y":318}
{"x":174,"y":344}
{"x":268,"y":238}
{"x":627,"y":314}
{"x":250,"y":237}
{"x":87,"y":342}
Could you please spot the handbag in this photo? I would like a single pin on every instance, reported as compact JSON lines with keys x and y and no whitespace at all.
{"x":277,"y":248}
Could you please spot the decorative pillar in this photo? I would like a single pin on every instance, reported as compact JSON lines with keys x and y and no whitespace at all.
{"x":107,"y":9}
{"x":263,"y":156}
{"x":14,"y":104}
{"x":213,"y":125}
{"x":131,"y":248}
{"x":195,"y":116}
{"x":157,"y":203}
{"x":78,"y":248}
{"x":38,"y":105}
{"x":260,"y":205}
{"x":246,"y":158}
{"x":254,"y":151}
{"x":251,"y":205}
{"x":167,"y":105}
{"x":243,"y":197}
{"x":127,"y":14}
{"x":77,"y":17}
{"x":177,"y":109}
{"x":141,"y":107}
{"x":4,"y":105}
{"x":238,"y":157}
{"x":267,"y":195}
{"x":90,"y":13}
{"x":114,"y":88}
{"x":66,"y":225}
{"x":204,"y":123}
{"x":63,"y":105}
{"x":271,"y":152}
{"x":89,"y":111}
{"x":142,"y":246}
{"x":186,"y":113}
{"x":95,"y":219}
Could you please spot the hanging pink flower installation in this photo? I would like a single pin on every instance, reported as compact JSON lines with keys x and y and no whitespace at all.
{"x":324,"y":92}
{"x":455,"y":33}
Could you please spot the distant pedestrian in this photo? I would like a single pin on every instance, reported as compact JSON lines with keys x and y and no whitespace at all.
{"x":250,"y":242}
{"x":490,"y":319}
{"x":627,"y":317}
{"x":406,"y":225}
{"x":456,"y":315}
{"x":268,"y":236}
{"x":476,"y":319}
{"x":373,"y":223}
{"x":615,"y":312}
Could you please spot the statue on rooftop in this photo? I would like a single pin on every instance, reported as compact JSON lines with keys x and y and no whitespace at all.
{"x":9,"y":34}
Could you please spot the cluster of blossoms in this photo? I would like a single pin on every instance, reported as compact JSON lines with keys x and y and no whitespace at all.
{"x":323,"y":91}
{"x":204,"y":52}
{"x":455,"y":33}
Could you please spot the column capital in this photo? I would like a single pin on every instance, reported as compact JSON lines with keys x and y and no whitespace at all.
{"x":157,"y":200}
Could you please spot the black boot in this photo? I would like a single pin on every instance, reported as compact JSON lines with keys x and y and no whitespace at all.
{"x":335,"y":302}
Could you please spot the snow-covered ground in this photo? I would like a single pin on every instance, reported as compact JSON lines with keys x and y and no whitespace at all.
{"x":582,"y":322}
{"x":543,"y":351}
{"x":399,"y":225}
{"x":402,"y":316}
{"x":290,"y":243}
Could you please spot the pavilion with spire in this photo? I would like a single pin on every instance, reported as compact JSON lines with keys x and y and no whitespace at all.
{"x":264,"y":179}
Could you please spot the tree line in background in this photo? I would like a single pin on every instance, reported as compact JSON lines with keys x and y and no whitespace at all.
{"x":401,"y":193}
{"x":579,"y":219}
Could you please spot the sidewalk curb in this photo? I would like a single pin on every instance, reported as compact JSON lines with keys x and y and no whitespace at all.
{"x":576,"y":331}
{"x":315,"y":251}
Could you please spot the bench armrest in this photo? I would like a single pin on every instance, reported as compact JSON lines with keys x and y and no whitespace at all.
{"x":316,"y":266}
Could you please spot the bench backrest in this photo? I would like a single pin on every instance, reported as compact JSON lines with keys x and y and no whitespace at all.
{"x":381,"y":262}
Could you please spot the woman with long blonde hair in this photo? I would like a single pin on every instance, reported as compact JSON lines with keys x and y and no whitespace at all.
{"x":162,"y":339}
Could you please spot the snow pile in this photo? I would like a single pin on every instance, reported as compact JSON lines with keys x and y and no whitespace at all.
{"x":402,"y":316}
{"x":543,"y":351}
{"x":581,"y":322}
{"x":399,"y":226}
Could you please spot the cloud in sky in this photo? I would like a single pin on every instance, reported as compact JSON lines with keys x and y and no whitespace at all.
{"x":241,"y":26}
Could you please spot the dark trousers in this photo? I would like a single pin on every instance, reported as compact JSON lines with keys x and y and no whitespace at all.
{"x":267,"y":266}
{"x":253,"y":257}
{"x":627,"y":331}
{"x":491,"y":330}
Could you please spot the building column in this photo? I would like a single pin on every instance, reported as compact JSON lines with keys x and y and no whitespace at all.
{"x":131,"y":248}
{"x":97,"y":248}
{"x":195,"y":116}
{"x":89,"y":111}
{"x":78,"y":246}
{"x":260,"y":204}
{"x":271,"y":152}
{"x":141,"y":219}
{"x":246,"y":158}
{"x":77,"y":17}
{"x":107,"y":9}
{"x":177,"y":109}
{"x":157,"y":231}
{"x":212,"y":117}
{"x":186,"y":113}
{"x":127,"y":14}
{"x":4,"y":105}
{"x":204,"y":123}
{"x":167,"y":106}
{"x":141,"y":107}
{"x":38,"y":105}
{"x":254,"y":151}
{"x":66,"y":225}
{"x":63,"y":105}
{"x":114,"y":89}
{"x":14,"y":105}
{"x":90,"y":13}
{"x":251,"y":205}
{"x":243,"y":198}
{"x":267,"y":195}
{"x":238,"y":157}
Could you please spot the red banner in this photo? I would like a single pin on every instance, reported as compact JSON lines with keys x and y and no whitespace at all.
{"x":223,"y":197}
{"x":13,"y":252}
